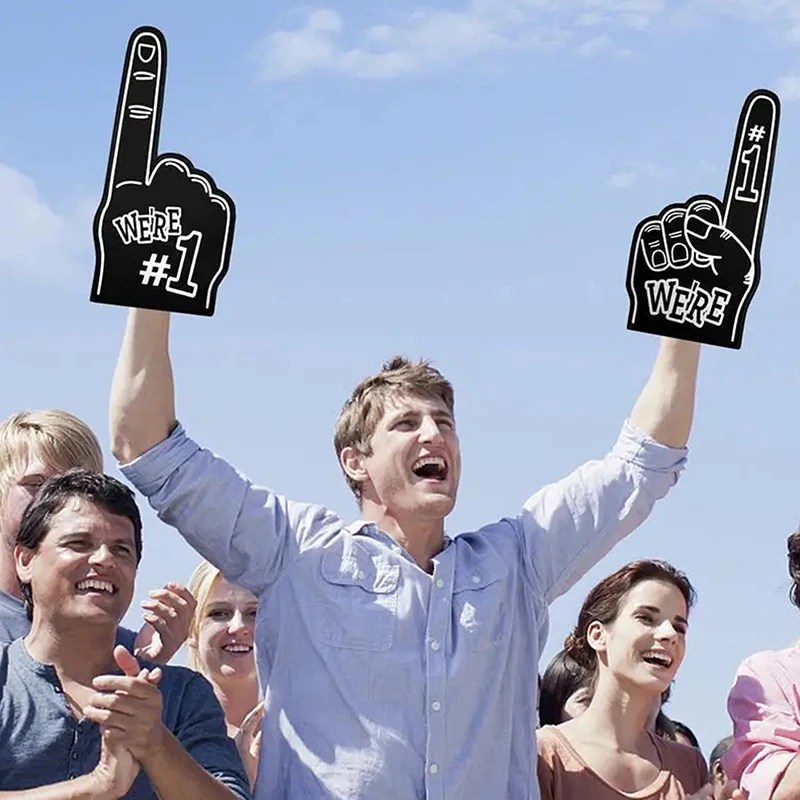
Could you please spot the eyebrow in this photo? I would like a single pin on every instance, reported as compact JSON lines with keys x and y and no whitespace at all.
{"x":657,"y":610}
{"x":441,"y":413}
{"x":64,"y":537}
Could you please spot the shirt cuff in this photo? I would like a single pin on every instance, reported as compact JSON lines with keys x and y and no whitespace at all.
{"x":639,"y":448}
{"x":150,"y":471}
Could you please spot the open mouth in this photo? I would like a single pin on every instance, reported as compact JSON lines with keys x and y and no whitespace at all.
{"x":95,"y":586}
{"x":431,"y":468}
{"x":238,"y":649}
{"x":657,"y":658}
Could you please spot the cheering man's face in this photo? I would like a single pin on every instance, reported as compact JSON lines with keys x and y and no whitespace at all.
{"x":415,"y":465}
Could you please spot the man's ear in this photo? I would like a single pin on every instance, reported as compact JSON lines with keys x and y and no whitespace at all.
{"x":23,"y":556}
{"x":353,"y":464}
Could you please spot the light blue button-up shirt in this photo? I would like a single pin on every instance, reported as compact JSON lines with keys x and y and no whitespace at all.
{"x":384,"y":682}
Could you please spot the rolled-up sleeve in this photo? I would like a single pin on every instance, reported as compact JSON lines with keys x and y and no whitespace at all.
{"x":568,"y":526}
{"x":763,"y":707}
{"x":248,"y":532}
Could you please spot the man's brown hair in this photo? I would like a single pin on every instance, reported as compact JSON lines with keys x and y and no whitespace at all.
{"x":361,"y":413}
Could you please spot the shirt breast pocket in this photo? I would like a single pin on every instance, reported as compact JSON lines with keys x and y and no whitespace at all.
{"x":481,"y":605}
{"x":359,"y":600}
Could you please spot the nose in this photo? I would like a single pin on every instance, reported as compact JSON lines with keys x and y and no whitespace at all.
{"x":429,"y":430}
{"x":666,"y":630}
{"x":102,"y":555}
{"x":238,"y":623}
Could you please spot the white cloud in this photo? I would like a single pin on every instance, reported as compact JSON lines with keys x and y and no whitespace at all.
{"x":36,"y":239}
{"x":635,"y":172}
{"x":623,"y":180}
{"x":602,"y":45}
{"x":432,"y":37}
{"x":789,"y":87}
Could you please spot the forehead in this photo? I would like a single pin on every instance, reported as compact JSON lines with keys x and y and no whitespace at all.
{"x":658,"y":593}
{"x":82,"y":516}
{"x":396,"y":404}
{"x":224,"y":592}
{"x":35,"y":465}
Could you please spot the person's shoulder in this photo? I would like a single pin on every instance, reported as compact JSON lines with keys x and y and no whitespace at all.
{"x":686,"y":763}
{"x":766,"y":661}
{"x":495,"y":538}
{"x":549,"y":741}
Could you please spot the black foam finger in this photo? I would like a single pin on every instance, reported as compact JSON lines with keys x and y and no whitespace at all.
{"x":654,"y":245}
{"x":752,"y":164}
{"x":134,"y":144}
{"x":678,"y":250}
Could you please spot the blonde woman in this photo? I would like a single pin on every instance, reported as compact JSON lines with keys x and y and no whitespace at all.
{"x":221,"y":649}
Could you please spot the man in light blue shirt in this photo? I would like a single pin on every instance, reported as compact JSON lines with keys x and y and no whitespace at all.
{"x":398,"y":662}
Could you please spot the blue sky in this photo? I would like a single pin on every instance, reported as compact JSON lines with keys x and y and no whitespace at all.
{"x":458,"y":181}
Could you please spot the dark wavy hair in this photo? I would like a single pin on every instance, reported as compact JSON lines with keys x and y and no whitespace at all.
{"x":562,"y":678}
{"x":102,"y":490}
{"x":603,"y":603}
{"x":793,"y":546}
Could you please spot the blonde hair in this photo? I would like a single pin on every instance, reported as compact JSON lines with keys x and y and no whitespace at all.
{"x":58,"y":438}
{"x":201,"y":584}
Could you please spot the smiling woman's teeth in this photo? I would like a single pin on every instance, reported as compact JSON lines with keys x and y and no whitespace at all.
{"x":237,"y":648}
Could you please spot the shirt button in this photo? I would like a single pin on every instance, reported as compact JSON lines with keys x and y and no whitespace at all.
{"x":436,"y":705}
{"x":433,"y":769}
{"x":74,"y":756}
{"x":439,"y":583}
{"x":435,"y":644}
{"x":476,"y":578}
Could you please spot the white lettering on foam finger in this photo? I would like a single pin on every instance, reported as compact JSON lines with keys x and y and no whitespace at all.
{"x":154,"y":226}
{"x":666,"y":297}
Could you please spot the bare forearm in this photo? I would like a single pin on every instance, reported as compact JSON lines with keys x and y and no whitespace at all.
{"x":175,"y":775}
{"x":788,"y":787}
{"x":142,"y":408}
{"x":665,"y":407}
{"x":82,"y":788}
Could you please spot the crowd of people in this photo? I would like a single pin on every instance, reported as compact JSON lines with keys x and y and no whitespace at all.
{"x":336,"y":660}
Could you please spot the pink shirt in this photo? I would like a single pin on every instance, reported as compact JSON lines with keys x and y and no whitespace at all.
{"x":764,"y":705}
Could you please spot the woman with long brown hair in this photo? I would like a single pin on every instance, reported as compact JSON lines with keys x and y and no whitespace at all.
{"x":631,"y":634}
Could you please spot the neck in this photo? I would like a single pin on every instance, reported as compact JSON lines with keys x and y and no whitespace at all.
{"x":617,"y":714}
{"x":9,"y":583}
{"x":79,"y":652}
{"x":237,"y":698}
{"x":422,"y":539}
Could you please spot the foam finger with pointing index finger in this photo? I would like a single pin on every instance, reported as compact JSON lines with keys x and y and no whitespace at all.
{"x":134,"y":144}
{"x":750,"y":173}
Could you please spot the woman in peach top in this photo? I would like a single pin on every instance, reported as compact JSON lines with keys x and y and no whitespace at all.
{"x":764,"y":705}
{"x":631,"y":633}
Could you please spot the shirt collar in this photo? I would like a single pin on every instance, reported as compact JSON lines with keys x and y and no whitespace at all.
{"x":365,"y":527}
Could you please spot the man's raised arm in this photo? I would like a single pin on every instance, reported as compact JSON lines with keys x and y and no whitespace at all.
{"x":568,"y":526}
{"x":142,"y":408}
{"x":665,"y":407}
